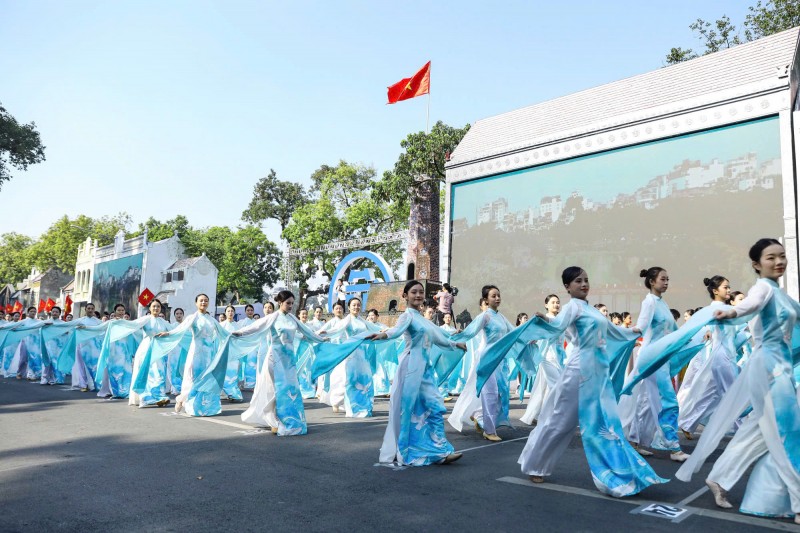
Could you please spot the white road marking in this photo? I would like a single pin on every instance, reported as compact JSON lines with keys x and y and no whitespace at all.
{"x":693,"y":496}
{"x":696,"y":511}
{"x":488,"y":445}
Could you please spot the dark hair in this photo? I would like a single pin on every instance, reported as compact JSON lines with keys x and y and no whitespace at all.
{"x":410,"y":284}
{"x":373,"y":310}
{"x":487,"y":289}
{"x":675,"y":314}
{"x":339,"y":304}
{"x":550,"y":297}
{"x":713,"y":283}
{"x":691,"y":311}
{"x":569,"y":274}
{"x":198,"y":297}
{"x":614,"y":315}
{"x":106,"y":313}
{"x":446,"y":286}
{"x":257,"y":315}
{"x":31,"y":307}
{"x":758,"y":248}
{"x":54,"y":308}
{"x":117,"y":306}
{"x":650,"y":275}
{"x":178,"y":309}
{"x":625,"y":314}
{"x":156,"y":300}
{"x":599,"y":305}
{"x":354,"y":298}
{"x":519,"y":317}
{"x":97,"y":314}
{"x":696,"y":309}
{"x":229,"y":306}
{"x":249,"y":306}
{"x":481,"y":301}
{"x":283,"y":296}
{"x":734,"y":294}
{"x":270,"y":303}
{"x":320,"y":308}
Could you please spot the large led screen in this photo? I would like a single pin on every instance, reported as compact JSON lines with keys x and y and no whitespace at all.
{"x":692,"y":204}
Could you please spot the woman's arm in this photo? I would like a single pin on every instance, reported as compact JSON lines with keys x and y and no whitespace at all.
{"x":645,"y":315}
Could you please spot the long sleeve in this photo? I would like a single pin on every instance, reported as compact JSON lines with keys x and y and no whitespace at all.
{"x":439,"y":337}
{"x":757,"y":297}
{"x":475,"y":327}
{"x":306,"y":331}
{"x":338,"y":329}
{"x":400,"y":327}
{"x":262,"y":324}
{"x":646,"y":313}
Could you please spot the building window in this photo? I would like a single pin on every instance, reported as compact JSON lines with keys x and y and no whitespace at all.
{"x":179,"y":275}
{"x":169,"y":277}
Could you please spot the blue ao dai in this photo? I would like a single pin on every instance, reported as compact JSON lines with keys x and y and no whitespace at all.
{"x":651,"y":413}
{"x":583,"y":396}
{"x":332,"y":388}
{"x":277,"y":401}
{"x":207,"y":335}
{"x":769,"y":437}
{"x":552,"y":364}
{"x":359,"y":394}
{"x":490,"y":409}
{"x":708,"y":377}
{"x":231,"y":386}
{"x":150,"y":381}
{"x":249,"y":363}
{"x":23,"y":349}
{"x":115,"y":364}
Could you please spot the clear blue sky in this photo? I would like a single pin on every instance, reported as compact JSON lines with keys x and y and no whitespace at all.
{"x":164,"y":108}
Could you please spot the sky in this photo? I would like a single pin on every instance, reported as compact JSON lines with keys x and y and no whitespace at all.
{"x":622,"y":171}
{"x":164,"y":108}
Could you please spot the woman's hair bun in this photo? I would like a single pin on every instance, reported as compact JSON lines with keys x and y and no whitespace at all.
{"x":706,"y":282}
{"x":643,"y":273}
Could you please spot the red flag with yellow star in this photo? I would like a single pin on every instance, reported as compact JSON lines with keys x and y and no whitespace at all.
{"x":146,"y":297}
{"x":416,"y":85}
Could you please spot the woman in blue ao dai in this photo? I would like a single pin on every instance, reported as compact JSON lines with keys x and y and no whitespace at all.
{"x":359,"y":393}
{"x":23,"y":352}
{"x":490,"y":409}
{"x":332,"y":387}
{"x":711,"y":372}
{"x":231,"y":385}
{"x":769,"y":437}
{"x":415,"y":432}
{"x":207,"y":335}
{"x":277,"y":402}
{"x":115,"y":365}
{"x":304,"y":356}
{"x":149,"y":386}
{"x":552,"y":364}
{"x":583,"y":395}
{"x":249,"y":364}
{"x":454,"y":384}
{"x":652,"y":411}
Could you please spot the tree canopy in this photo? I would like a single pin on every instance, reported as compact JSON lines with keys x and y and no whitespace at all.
{"x":274,"y":199}
{"x":763,"y":19}
{"x":20,"y":145}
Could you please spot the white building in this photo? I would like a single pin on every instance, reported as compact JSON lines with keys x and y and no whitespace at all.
{"x":119,"y":272}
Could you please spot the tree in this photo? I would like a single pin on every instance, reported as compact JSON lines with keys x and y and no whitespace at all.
{"x":16,"y":263}
{"x":764,"y":19}
{"x":343,"y":207}
{"x":158,"y":231}
{"x":20,"y":145}
{"x":274,"y":199}
{"x":58,"y":246}
{"x":246,"y":259}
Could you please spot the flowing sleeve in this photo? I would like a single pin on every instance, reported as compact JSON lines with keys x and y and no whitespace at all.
{"x":757,"y":297}
{"x":475,"y":327}
{"x":620,"y":343}
{"x":673,"y":345}
{"x":517,"y":340}
{"x":339,"y":329}
{"x":328,"y":355}
{"x":306,"y":331}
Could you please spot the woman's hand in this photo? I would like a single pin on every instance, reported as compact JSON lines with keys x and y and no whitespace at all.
{"x":636,"y":330}
{"x":162,"y":334}
{"x":376,"y":337}
{"x":724,"y":314}
{"x":461,"y":346}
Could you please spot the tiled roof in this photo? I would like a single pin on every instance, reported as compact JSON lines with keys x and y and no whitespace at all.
{"x":747,"y":63}
{"x":183,"y":263}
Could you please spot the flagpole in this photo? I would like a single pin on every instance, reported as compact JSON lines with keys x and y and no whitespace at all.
{"x":428,"y":114}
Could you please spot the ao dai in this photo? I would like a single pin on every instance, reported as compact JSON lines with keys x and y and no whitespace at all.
{"x":231,"y":386}
{"x":490,"y":409}
{"x":149,"y":373}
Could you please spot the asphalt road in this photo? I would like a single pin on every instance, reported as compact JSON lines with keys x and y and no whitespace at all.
{"x":70,"y":461}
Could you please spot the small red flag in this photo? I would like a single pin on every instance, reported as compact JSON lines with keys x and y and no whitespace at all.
{"x":9,"y":308}
{"x":49,"y":305}
{"x":146,"y":297}
{"x":416,"y":85}
{"x":41,"y":306}
{"x":17,"y":307}
{"x":67,"y":305}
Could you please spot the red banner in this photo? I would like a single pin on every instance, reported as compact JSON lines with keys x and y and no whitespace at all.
{"x":67,"y":305}
{"x":17,"y":307}
{"x":9,"y":308}
{"x":41,"y":306}
{"x":49,"y":305}
{"x":416,"y":85}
